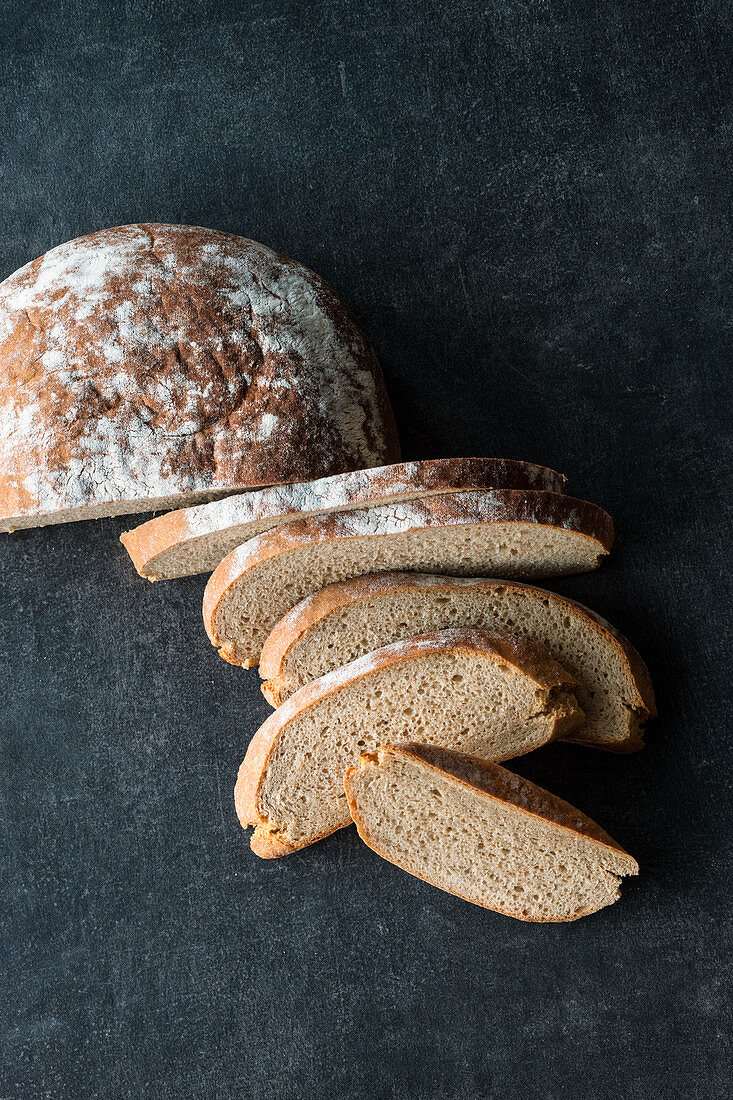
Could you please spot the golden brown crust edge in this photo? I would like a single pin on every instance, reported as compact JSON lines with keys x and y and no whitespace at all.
{"x":146,"y":541}
{"x":526,"y":656}
{"x":272,"y":693}
{"x":267,"y":845}
{"x":511,"y":505}
{"x":415,"y":750}
{"x":339,"y":594}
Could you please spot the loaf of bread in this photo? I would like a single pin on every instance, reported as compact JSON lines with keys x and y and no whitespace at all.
{"x":150,"y":366}
{"x":468,"y":689}
{"x":348,"y":618}
{"x":514,"y":533}
{"x":478,"y":831}
{"x":194,"y":540}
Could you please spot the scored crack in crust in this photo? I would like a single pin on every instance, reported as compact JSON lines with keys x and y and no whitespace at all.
{"x":149,"y":365}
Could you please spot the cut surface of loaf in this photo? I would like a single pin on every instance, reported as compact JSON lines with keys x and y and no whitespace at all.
{"x":473,"y":690}
{"x":484,"y":834}
{"x":148,"y":366}
{"x":348,"y":618}
{"x":515,"y":533}
{"x":194,"y":540}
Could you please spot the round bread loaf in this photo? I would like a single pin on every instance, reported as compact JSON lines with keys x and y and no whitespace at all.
{"x":150,"y":366}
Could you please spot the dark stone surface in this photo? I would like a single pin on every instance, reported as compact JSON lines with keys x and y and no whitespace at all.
{"x":526,"y":204}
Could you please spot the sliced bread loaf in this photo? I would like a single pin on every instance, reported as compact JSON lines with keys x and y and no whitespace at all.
{"x":467,"y":689}
{"x":348,"y":618}
{"x":516,"y":533}
{"x":194,"y":540}
{"x":478,"y":831}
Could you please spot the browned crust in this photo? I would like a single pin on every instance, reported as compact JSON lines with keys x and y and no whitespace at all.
{"x":476,"y":506}
{"x":268,"y":845}
{"x":272,"y":693}
{"x":529,"y":659}
{"x":174,"y":282}
{"x":333,"y":597}
{"x":147,"y":541}
{"x":498,"y":783}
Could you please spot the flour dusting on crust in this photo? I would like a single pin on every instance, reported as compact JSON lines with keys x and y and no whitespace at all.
{"x":148,"y":361}
{"x":473,"y":506}
{"x":362,"y":486}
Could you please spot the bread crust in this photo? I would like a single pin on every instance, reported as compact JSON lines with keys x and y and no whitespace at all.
{"x":527,"y":657}
{"x":151,"y":363}
{"x":498,"y":783}
{"x":267,"y":845}
{"x":333,"y":597}
{"x":187,"y":526}
{"x":449,"y":509}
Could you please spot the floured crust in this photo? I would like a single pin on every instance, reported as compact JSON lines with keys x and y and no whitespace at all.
{"x":495,"y":782}
{"x":329,"y":600}
{"x":191,"y":528}
{"x":146,"y":363}
{"x":528,"y":658}
{"x":448,"y":509}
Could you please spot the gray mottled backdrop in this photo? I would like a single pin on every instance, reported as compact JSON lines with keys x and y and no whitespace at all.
{"x":525,"y":203}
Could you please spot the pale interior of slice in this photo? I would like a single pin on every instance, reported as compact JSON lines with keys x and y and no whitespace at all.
{"x":465,"y":700}
{"x":605,"y":690}
{"x":202,"y":553}
{"x":253,"y":604}
{"x":485,"y":850}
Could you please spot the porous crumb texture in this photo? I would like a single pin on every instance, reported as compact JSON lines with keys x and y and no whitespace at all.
{"x":508,"y":533}
{"x":495,"y":840}
{"x":458,"y":694}
{"x":345,"y":620}
{"x":194,"y":540}
{"x":147,"y":365}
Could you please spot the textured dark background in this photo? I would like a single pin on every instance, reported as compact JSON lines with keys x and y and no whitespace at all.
{"x":526,"y":205}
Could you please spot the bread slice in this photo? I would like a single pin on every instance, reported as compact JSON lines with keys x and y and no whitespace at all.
{"x":348,"y":618}
{"x":477,"y":831}
{"x":468,"y":689}
{"x":194,"y":540}
{"x":515,"y":533}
